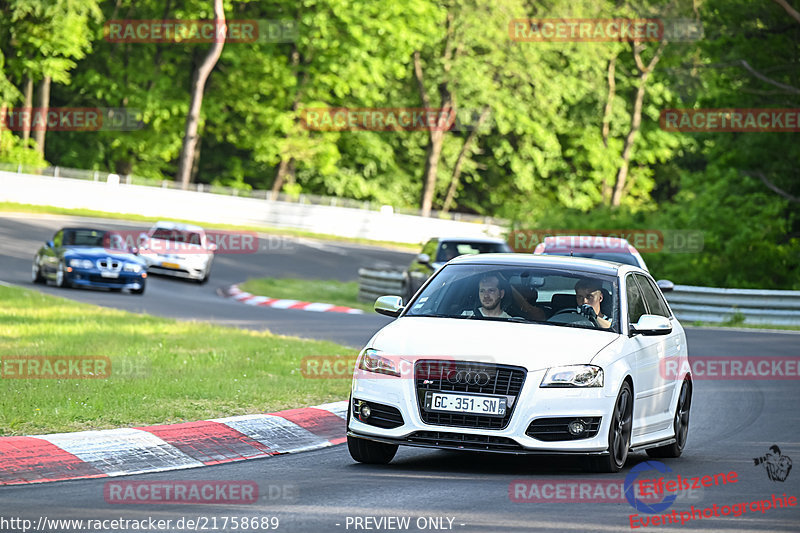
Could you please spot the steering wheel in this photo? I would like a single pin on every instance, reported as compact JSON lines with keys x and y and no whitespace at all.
{"x":578,"y":318}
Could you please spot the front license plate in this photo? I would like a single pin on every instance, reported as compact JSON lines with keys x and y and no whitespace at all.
{"x":170,"y":265}
{"x":110,"y":274}
{"x":465,"y":403}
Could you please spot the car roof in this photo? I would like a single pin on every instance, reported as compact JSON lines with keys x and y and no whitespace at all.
{"x":595,"y":266}
{"x":176,"y":225}
{"x":491,"y":240}
{"x":78,"y":228}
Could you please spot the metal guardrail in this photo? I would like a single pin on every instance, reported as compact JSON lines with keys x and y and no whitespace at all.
{"x":375,"y":283}
{"x":752,"y":306}
{"x":689,"y":303}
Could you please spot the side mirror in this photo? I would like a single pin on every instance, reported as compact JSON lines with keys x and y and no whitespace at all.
{"x":212,"y":247}
{"x":389,"y":305}
{"x":50,"y":244}
{"x":651,"y":325}
{"x":665,"y":285}
{"x":425,"y":259}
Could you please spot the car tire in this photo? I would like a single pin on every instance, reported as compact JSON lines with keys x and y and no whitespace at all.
{"x":138,"y":291}
{"x":370,"y":452}
{"x":619,"y":434}
{"x":205,"y":277}
{"x":36,"y":271}
{"x":61,"y":276}
{"x":680,"y":424}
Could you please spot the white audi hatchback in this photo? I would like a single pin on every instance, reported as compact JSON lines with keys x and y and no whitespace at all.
{"x":525,"y":354}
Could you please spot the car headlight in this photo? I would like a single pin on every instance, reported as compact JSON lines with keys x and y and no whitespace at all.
{"x":372,"y":362}
{"x":573,"y":376}
{"x":80,"y":263}
{"x":133,"y":267}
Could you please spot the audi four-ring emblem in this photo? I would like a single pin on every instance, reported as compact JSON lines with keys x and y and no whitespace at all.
{"x":468,"y":377}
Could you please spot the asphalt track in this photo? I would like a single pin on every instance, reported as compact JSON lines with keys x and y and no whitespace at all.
{"x":279,"y":257}
{"x":731,"y":423}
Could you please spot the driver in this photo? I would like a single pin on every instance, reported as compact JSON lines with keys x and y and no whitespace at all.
{"x":490,"y":295}
{"x":589,"y":296}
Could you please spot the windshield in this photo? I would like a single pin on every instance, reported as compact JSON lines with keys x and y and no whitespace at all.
{"x":83,"y":237}
{"x":521,"y":294}
{"x":450,"y":249}
{"x":175,"y":235}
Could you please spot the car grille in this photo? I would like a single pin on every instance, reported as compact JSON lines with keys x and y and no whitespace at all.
{"x":382,"y":416}
{"x":555,"y":429}
{"x":464,"y":441}
{"x":500,"y":380}
{"x":96,"y":278}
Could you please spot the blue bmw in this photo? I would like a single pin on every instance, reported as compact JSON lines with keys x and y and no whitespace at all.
{"x":85,"y":257}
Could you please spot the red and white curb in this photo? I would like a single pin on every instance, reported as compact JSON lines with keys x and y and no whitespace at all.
{"x":264,"y":301}
{"x":127,"y":451}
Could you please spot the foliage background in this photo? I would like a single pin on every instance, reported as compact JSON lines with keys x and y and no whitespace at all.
{"x":542,"y":159}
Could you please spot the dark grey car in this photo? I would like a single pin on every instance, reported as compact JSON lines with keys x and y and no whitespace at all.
{"x":438,"y":251}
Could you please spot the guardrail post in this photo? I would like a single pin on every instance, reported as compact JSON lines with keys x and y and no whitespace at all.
{"x":375,"y":283}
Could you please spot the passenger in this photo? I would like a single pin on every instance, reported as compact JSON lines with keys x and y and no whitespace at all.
{"x":589,"y":295}
{"x":491,"y":296}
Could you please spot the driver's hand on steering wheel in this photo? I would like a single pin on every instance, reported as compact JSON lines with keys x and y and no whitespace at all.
{"x":588,"y":311}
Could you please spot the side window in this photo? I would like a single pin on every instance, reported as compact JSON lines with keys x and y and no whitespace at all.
{"x":655,"y":301}
{"x":635,"y":301}
{"x":58,"y":238}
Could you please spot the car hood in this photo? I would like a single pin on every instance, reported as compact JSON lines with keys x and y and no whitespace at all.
{"x":533,"y":346}
{"x":94,"y":253}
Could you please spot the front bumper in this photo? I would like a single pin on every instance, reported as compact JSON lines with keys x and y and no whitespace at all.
{"x":87,"y":278}
{"x":181,"y":268}
{"x":532,"y":403}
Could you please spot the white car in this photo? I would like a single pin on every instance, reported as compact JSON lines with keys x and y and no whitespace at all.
{"x":606,"y":248}
{"x":543,"y":377}
{"x":181,"y":250}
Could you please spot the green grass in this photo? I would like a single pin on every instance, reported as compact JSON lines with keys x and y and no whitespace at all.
{"x":325,"y":291}
{"x":163,"y":371}
{"x":132,"y":217}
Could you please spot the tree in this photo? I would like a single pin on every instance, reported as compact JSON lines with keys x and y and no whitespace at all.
{"x":187,"y":157}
